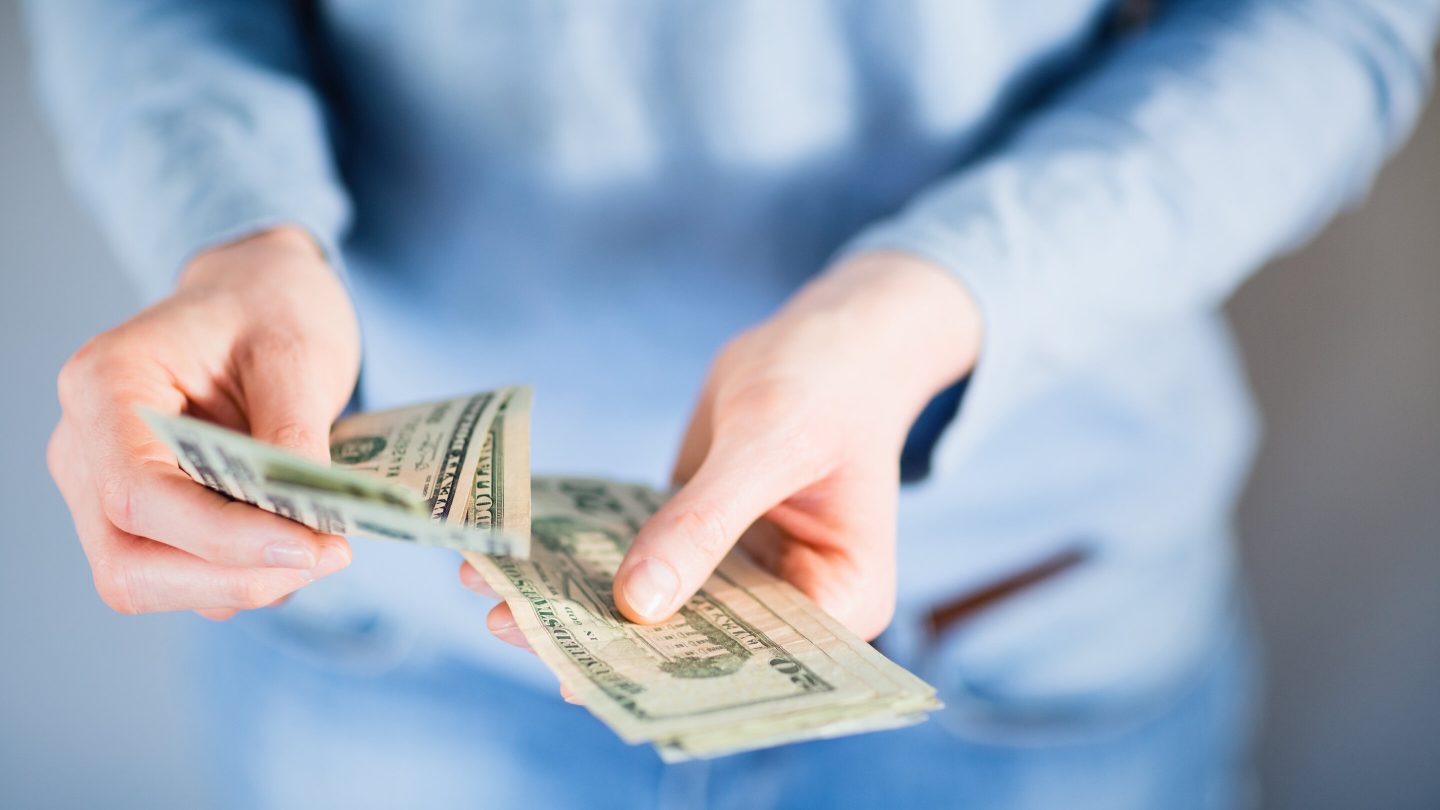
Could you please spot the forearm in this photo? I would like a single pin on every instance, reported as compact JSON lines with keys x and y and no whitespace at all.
{"x":1149,"y":190}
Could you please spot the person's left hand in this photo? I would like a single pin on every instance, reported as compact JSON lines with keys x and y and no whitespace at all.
{"x":793,"y":449}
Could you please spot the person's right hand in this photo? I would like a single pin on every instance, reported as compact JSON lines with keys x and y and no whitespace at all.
{"x":259,"y":336}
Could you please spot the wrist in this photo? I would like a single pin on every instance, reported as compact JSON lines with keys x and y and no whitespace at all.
{"x":275,"y":281}
{"x":285,"y":237}
{"x":286,"y":245}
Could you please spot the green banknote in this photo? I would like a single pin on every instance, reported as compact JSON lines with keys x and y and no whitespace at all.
{"x":748,"y":662}
{"x":405,"y":474}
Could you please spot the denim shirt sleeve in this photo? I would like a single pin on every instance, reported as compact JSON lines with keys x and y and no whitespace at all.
{"x":186,"y":124}
{"x":1220,"y":135}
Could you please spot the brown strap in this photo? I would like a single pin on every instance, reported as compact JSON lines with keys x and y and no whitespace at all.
{"x":965,"y":606}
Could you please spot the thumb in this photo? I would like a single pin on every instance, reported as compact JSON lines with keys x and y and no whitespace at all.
{"x":289,"y":404}
{"x":682,"y":543}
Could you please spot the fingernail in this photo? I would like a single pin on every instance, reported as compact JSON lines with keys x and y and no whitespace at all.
{"x":569,"y":698}
{"x":289,"y":554}
{"x":650,"y":586}
{"x":332,"y":559}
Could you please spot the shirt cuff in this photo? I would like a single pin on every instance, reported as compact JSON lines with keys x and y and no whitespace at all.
{"x":230,"y":213}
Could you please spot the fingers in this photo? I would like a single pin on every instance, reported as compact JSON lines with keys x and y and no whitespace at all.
{"x":500,"y":620}
{"x":837,"y":545}
{"x":502,"y":623}
{"x":677,"y":549}
{"x":155,"y":499}
{"x":133,"y":475}
{"x":471,"y":578}
{"x":856,"y":588}
{"x":143,"y":493}
{"x":137,"y":575}
{"x":155,"y":539}
{"x":289,"y":398}
{"x":696,"y":440}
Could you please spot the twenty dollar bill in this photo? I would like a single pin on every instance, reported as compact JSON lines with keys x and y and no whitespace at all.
{"x":453,"y":473}
{"x":748,"y":662}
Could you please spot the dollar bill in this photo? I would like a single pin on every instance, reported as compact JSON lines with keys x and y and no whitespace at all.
{"x":405,"y":474}
{"x":748,"y":662}
{"x":502,"y":478}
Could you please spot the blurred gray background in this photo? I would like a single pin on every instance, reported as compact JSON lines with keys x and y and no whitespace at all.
{"x":1341,"y":524}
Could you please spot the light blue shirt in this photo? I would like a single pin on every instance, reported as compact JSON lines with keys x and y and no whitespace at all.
{"x":593,"y":196}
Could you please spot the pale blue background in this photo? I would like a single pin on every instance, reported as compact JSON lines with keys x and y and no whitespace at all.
{"x":1342,"y":524}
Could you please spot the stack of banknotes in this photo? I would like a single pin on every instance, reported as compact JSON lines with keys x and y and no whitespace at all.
{"x":748,"y":662}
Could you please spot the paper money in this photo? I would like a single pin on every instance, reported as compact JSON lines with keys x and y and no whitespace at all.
{"x":748,"y":662}
{"x":406,"y":474}
{"x":501,"y":496}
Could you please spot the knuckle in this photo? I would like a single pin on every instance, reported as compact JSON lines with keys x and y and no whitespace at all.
{"x":107,"y":366}
{"x":738,"y":348}
{"x":271,"y":346}
{"x":707,"y":529}
{"x":79,"y":371}
{"x":117,"y":499}
{"x":249,"y":592}
{"x":54,"y":450}
{"x":782,"y":440}
{"x":766,"y":405}
{"x":116,"y":588}
{"x":294,"y":434}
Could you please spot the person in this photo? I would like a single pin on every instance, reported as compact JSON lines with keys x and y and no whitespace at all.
{"x":977,"y":249}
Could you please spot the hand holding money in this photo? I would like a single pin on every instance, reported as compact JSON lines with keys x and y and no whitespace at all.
{"x":453,"y":473}
{"x":746,"y":662}
{"x":259,"y":336}
{"x":798,"y":433}
{"x":726,"y":656}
